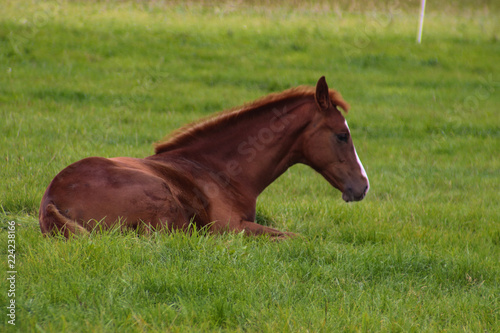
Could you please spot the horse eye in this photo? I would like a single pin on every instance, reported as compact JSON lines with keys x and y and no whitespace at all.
{"x":343,"y":137}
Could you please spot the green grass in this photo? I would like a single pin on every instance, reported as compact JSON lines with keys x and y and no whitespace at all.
{"x":420,"y":253}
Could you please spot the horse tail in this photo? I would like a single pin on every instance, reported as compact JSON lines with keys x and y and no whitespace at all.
{"x":52,"y":221}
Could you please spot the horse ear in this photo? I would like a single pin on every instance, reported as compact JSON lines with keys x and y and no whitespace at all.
{"x":322,"y":95}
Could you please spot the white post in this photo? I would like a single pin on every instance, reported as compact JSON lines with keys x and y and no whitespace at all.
{"x":421,"y":22}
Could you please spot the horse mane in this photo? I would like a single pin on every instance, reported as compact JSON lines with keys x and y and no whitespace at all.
{"x":222,"y":119}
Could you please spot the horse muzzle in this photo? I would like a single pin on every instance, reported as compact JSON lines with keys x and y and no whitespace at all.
{"x":350,"y":194}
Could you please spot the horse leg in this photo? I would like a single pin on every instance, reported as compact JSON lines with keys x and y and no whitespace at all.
{"x":52,"y":221}
{"x":256,"y":229}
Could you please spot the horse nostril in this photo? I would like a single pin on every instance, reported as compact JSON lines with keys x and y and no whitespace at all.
{"x":362,"y":196}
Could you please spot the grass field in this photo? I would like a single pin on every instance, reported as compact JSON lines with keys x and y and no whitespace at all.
{"x":106,"y":78}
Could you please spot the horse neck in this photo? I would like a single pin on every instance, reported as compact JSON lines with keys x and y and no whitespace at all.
{"x":253,"y":152}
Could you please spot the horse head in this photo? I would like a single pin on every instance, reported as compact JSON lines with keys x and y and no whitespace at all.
{"x":329,"y":149}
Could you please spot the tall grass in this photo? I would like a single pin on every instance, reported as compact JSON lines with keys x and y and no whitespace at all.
{"x":420,"y":253}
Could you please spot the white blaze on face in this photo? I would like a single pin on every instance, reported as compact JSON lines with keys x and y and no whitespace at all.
{"x":363,"y":172}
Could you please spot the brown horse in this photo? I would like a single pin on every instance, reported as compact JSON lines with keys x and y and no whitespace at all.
{"x":211,"y":172}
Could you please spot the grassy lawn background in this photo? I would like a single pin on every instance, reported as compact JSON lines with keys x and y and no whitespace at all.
{"x":420,"y":253}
